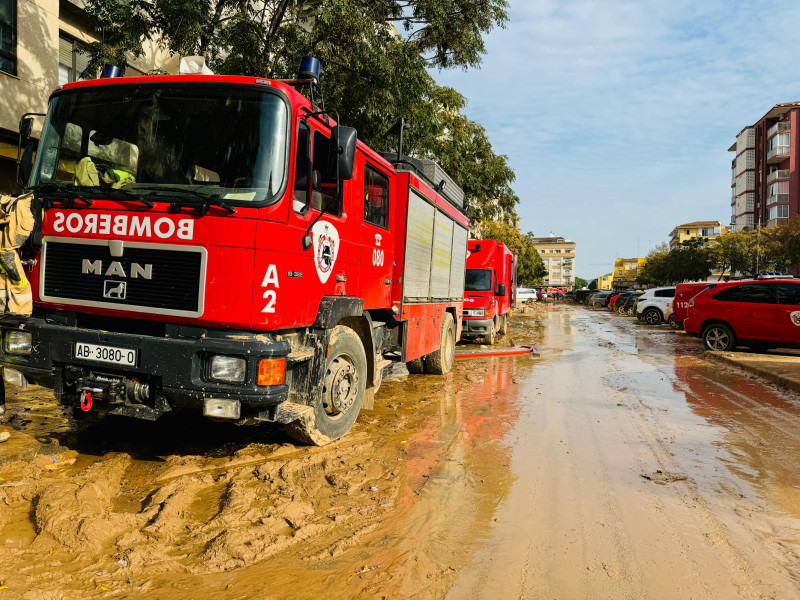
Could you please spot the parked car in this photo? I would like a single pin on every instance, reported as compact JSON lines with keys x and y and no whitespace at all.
{"x":620,"y":301}
{"x":629,"y":306}
{"x":755,"y":313}
{"x":655,"y":305}
{"x":613,"y":299}
{"x":600,"y":299}
{"x":526,"y":294}
{"x":680,"y":306}
{"x":580,"y":295}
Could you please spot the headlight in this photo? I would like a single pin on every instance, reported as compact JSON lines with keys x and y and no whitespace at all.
{"x":17,"y":342}
{"x":228,"y":368}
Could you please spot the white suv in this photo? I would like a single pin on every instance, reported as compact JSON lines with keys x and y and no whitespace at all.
{"x":655,"y":306}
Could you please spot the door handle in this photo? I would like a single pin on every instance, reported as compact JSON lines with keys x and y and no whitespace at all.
{"x":387,"y":281}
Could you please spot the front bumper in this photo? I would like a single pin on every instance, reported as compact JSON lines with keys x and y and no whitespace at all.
{"x":173,"y":367}
{"x":476,"y":327}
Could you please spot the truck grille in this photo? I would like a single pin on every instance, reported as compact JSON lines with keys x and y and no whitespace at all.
{"x":145,"y":278}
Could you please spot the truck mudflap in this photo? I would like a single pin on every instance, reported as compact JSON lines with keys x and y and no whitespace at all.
{"x":167,"y":372}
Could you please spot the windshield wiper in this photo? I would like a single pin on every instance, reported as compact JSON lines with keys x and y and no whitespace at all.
{"x":207,"y":200}
{"x":63,"y":194}
{"x":68,"y":194}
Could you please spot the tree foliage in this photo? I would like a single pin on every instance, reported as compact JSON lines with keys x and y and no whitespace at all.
{"x":530,"y":267}
{"x":580,"y":283}
{"x":692,"y":260}
{"x":373,"y":73}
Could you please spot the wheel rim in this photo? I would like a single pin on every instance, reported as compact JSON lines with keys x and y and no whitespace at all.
{"x":717,"y":338}
{"x":341,"y":386}
{"x":652,"y":317}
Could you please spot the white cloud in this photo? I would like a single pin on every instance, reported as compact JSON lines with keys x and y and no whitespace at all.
{"x":617,"y":115}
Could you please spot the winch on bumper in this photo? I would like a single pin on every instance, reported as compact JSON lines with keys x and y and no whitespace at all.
{"x":167,"y":372}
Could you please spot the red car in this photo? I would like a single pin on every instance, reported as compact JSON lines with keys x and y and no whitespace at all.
{"x":613,"y":300}
{"x":680,"y":306}
{"x":756,"y":313}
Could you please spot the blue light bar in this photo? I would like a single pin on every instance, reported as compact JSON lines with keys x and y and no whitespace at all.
{"x":309,"y":68}
{"x":110,"y":71}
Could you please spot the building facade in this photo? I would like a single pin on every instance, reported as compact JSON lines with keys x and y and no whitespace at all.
{"x":604,"y":282}
{"x":626,"y":271}
{"x":765,"y":171}
{"x":558,"y":255}
{"x":40,"y":43}
{"x":705,"y":230}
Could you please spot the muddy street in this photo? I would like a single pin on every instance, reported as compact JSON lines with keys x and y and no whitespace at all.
{"x":615,"y":464}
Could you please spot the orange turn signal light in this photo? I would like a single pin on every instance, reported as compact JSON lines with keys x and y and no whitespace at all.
{"x":271,"y":371}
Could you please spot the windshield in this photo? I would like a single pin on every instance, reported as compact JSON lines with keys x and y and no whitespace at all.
{"x":478,"y":280}
{"x":218,"y":141}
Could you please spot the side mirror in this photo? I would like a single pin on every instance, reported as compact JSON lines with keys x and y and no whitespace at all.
{"x":343,"y":151}
{"x":501,"y":290}
{"x":25,"y":127}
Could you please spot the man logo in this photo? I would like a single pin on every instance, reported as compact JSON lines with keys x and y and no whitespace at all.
{"x":114,"y":290}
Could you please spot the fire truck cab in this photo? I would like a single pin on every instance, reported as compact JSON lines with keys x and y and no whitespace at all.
{"x":490,"y":289}
{"x":221,"y":243}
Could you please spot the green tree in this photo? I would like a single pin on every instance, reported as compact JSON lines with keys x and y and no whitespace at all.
{"x":592,"y":284}
{"x":530,"y":267}
{"x":580,"y":283}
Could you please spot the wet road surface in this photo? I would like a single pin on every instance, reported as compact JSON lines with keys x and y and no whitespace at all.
{"x":616,"y":464}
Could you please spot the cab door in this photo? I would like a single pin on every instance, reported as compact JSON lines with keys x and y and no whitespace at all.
{"x":787,"y":322}
{"x":757,"y":311}
{"x":376,"y":238}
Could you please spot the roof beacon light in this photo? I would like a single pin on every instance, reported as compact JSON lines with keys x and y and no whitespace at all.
{"x":309,"y":68}
{"x":109,"y":71}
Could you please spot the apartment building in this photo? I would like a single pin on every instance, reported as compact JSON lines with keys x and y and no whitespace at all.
{"x":625,"y":272}
{"x":765,"y":171}
{"x":40,"y":42}
{"x":558,"y":255}
{"x":604,"y":282}
{"x":706,"y":230}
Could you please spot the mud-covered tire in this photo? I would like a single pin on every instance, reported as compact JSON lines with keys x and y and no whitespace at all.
{"x":504,"y":325}
{"x":344,"y":382}
{"x":719,"y":337}
{"x":652,"y":316}
{"x":440,"y":361}
{"x":415,"y":366}
{"x":491,"y":337}
{"x":674,"y":323}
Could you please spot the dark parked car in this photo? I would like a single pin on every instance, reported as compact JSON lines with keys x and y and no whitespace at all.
{"x":600,"y":299}
{"x":629,"y":306}
{"x":755,"y":313}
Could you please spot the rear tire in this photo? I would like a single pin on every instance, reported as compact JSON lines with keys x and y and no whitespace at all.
{"x":719,"y":337}
{"x":440,"y":361}
{"x":344,"y":382}
{"x":415,"y":366}
{"x":652,"y":316}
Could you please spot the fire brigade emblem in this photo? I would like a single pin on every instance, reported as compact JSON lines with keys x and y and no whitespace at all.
{"x":325,"y":246}
{"x":795,"y":317}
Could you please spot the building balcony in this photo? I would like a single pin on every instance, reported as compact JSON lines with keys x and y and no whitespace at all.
{"x":773,"y":222}
{"x":778,"y":154}
{"x":779,"y":127}
{"x":778,"y":199}
{"x":776,"y":175}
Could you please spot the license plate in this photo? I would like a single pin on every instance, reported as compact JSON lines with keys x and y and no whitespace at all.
{"x":106,"y":354}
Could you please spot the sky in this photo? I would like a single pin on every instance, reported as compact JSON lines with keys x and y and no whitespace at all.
{"x":617,"y":115}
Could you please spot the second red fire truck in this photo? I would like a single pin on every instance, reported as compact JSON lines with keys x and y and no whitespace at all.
{"x":490,"y":291}
{"x":221,"y":243}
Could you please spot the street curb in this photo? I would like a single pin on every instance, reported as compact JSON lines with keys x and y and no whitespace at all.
{"x":729,"y":358}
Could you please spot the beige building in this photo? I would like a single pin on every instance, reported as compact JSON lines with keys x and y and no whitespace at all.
{"x":558,"y":255}
{"x":39,"y":51}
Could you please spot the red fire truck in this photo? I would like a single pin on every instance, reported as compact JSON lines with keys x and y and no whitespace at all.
{"x":262,"y":266}
{"x":490,"y":290}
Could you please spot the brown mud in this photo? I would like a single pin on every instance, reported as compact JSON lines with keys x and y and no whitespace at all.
{"x":185,"y":507}
{"x":616,"y":464}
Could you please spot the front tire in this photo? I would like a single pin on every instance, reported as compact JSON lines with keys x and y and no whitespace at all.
{"x":343,"y":385}
{"x":674,"y":324}
{"x":440,"y":361}
{"x":719,"y":337}
{"x":504,"y":325}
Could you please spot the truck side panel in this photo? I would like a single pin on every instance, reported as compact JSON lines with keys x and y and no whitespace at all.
{"x":418,"y":248}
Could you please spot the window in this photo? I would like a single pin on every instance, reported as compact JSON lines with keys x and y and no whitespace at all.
{"x":788,"y":293}
{"x":8,"y":36}
{"x":667,"y":293}
{"x":478,"y":280}
{"x":302,"y":168}
{"x":780,"y":211}
{"x":761,"y":293}
{"x":70,"y":61}
{"x":376,"y":198}
{"x":323,"y":183}
{"x":686,"y":231}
